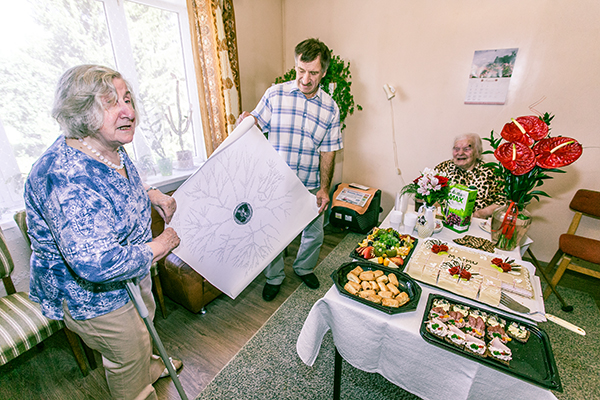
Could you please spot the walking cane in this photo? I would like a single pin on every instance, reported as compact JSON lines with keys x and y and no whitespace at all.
{"x":136,"y":296}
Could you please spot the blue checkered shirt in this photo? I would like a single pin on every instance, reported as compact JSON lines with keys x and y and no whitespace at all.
{"x":300,"y":128}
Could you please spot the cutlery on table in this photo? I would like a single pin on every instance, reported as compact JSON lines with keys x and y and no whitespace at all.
{"x":520,"y":308}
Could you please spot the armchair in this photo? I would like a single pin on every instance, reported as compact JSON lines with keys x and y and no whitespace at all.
{"x":22,"y":324}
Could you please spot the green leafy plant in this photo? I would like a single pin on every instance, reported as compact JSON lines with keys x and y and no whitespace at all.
{"x":339,"y":75}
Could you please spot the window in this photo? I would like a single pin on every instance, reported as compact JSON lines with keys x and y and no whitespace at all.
{"x":148,"y":41}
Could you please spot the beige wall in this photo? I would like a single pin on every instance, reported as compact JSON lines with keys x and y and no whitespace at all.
{"x":425,"y":49}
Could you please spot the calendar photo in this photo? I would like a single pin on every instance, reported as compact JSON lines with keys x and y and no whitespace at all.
{"x":490,"y":75}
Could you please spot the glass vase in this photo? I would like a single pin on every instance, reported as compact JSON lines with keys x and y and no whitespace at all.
{"x":509,"y":225}
{"x":165,"y":166}
{"x":426,"y":221}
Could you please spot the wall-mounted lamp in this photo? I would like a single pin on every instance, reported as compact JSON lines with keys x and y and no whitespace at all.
{"x":389,"y":91}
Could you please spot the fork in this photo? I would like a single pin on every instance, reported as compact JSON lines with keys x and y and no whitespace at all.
{"x":520,"y":308}
{"x":513,"y":304}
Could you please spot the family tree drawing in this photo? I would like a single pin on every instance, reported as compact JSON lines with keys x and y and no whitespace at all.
{"x":239,"y":210}
{"x":241,"y":203}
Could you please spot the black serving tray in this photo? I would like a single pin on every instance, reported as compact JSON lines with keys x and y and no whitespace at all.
{"x":532,"y":361}
{"x":406,"y":284}
{"x":354,"y":254}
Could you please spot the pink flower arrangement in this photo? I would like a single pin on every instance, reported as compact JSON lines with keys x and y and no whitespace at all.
{"x":431,"y":187}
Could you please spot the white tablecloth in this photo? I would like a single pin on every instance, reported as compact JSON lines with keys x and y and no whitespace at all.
{"x":392,"y":346}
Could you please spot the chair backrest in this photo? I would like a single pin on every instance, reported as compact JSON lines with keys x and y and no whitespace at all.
{"x":21,"y":220}
{"x":6,"y":264}
{"x":586,"y":202}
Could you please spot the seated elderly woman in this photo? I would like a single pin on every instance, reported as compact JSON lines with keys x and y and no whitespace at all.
{"x":467,"y":168}
{"x":88,"y":215}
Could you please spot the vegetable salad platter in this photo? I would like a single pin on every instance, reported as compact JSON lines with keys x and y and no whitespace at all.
{"x":514,"y":347}
{"x":386,"y":247}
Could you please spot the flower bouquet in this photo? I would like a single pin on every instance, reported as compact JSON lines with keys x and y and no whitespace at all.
{"x":526,"y":154}
{"x":431,"y":188}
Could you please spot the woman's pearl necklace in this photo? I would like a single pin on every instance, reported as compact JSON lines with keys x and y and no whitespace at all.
{"x":104,"y":159}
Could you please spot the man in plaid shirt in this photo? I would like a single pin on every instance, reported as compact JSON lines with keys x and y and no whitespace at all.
{"x":303,"y":124}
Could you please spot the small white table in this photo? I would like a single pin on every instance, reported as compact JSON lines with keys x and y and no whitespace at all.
{"x":392,"y":346}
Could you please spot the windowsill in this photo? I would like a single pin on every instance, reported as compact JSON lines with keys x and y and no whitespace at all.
{"x":169,"y":183}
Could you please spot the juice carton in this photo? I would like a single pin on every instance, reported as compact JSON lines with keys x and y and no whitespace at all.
{"x":461,"y":201}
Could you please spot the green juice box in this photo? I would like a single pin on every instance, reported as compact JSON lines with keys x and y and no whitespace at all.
{"x":459,"y":207}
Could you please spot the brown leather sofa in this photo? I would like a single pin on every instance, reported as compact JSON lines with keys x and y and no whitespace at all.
{"x":180,"y":282}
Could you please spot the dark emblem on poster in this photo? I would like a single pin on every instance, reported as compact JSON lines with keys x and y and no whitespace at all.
{"x":242,"y":213}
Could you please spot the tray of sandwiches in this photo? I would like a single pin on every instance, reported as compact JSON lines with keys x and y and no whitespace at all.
{"x":470,"y":273}
{"x":385,"y":289}
{"x":387,"y":247}
{"x":512,"y":346}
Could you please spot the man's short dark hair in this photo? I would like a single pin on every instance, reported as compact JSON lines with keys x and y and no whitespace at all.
{"x":310,"y":49}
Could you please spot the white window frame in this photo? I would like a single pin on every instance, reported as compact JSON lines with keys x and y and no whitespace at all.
{"x":120,"y":41}
{"x":117,"y":27}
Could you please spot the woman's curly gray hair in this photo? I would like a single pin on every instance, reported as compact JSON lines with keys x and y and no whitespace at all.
{"x":80,"y":98}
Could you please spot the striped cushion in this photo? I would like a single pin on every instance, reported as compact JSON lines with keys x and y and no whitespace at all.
{"x":22,"y":326}
{"x":6,"y":262}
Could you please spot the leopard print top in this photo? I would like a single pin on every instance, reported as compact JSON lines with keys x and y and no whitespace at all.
{"x":483,"y":178}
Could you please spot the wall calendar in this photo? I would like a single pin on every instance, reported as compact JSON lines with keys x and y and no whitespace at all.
{"x":490,"y":76}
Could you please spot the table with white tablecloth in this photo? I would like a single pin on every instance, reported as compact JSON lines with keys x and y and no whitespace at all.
{"x":391,"y":345}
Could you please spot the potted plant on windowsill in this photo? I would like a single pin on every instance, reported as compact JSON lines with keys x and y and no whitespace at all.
{"x":337,"y":83}
{"x":185,"y":158}
{"x":156,"y":136}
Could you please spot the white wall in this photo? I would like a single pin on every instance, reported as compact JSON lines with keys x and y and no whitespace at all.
{"x":425,"y":48}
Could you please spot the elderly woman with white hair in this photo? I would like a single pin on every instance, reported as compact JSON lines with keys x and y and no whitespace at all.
{"x":88,"y":217}
{"x":467,"y":168}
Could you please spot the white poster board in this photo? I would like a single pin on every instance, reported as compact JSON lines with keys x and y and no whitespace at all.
{"x":239,"y":210}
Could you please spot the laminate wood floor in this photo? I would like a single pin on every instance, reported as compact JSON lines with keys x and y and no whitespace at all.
{"x":205,"y":343}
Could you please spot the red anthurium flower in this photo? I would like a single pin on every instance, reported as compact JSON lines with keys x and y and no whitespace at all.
{"x":557,"y":152}
{"x":516,"y":157}
{"x":525,"y":130}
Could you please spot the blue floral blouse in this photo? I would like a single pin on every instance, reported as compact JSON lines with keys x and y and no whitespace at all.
{"x":88,"y":227}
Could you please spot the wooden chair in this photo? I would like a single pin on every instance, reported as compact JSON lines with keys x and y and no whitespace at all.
{"x":22,"y":324}
{"x":578,"y":253}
